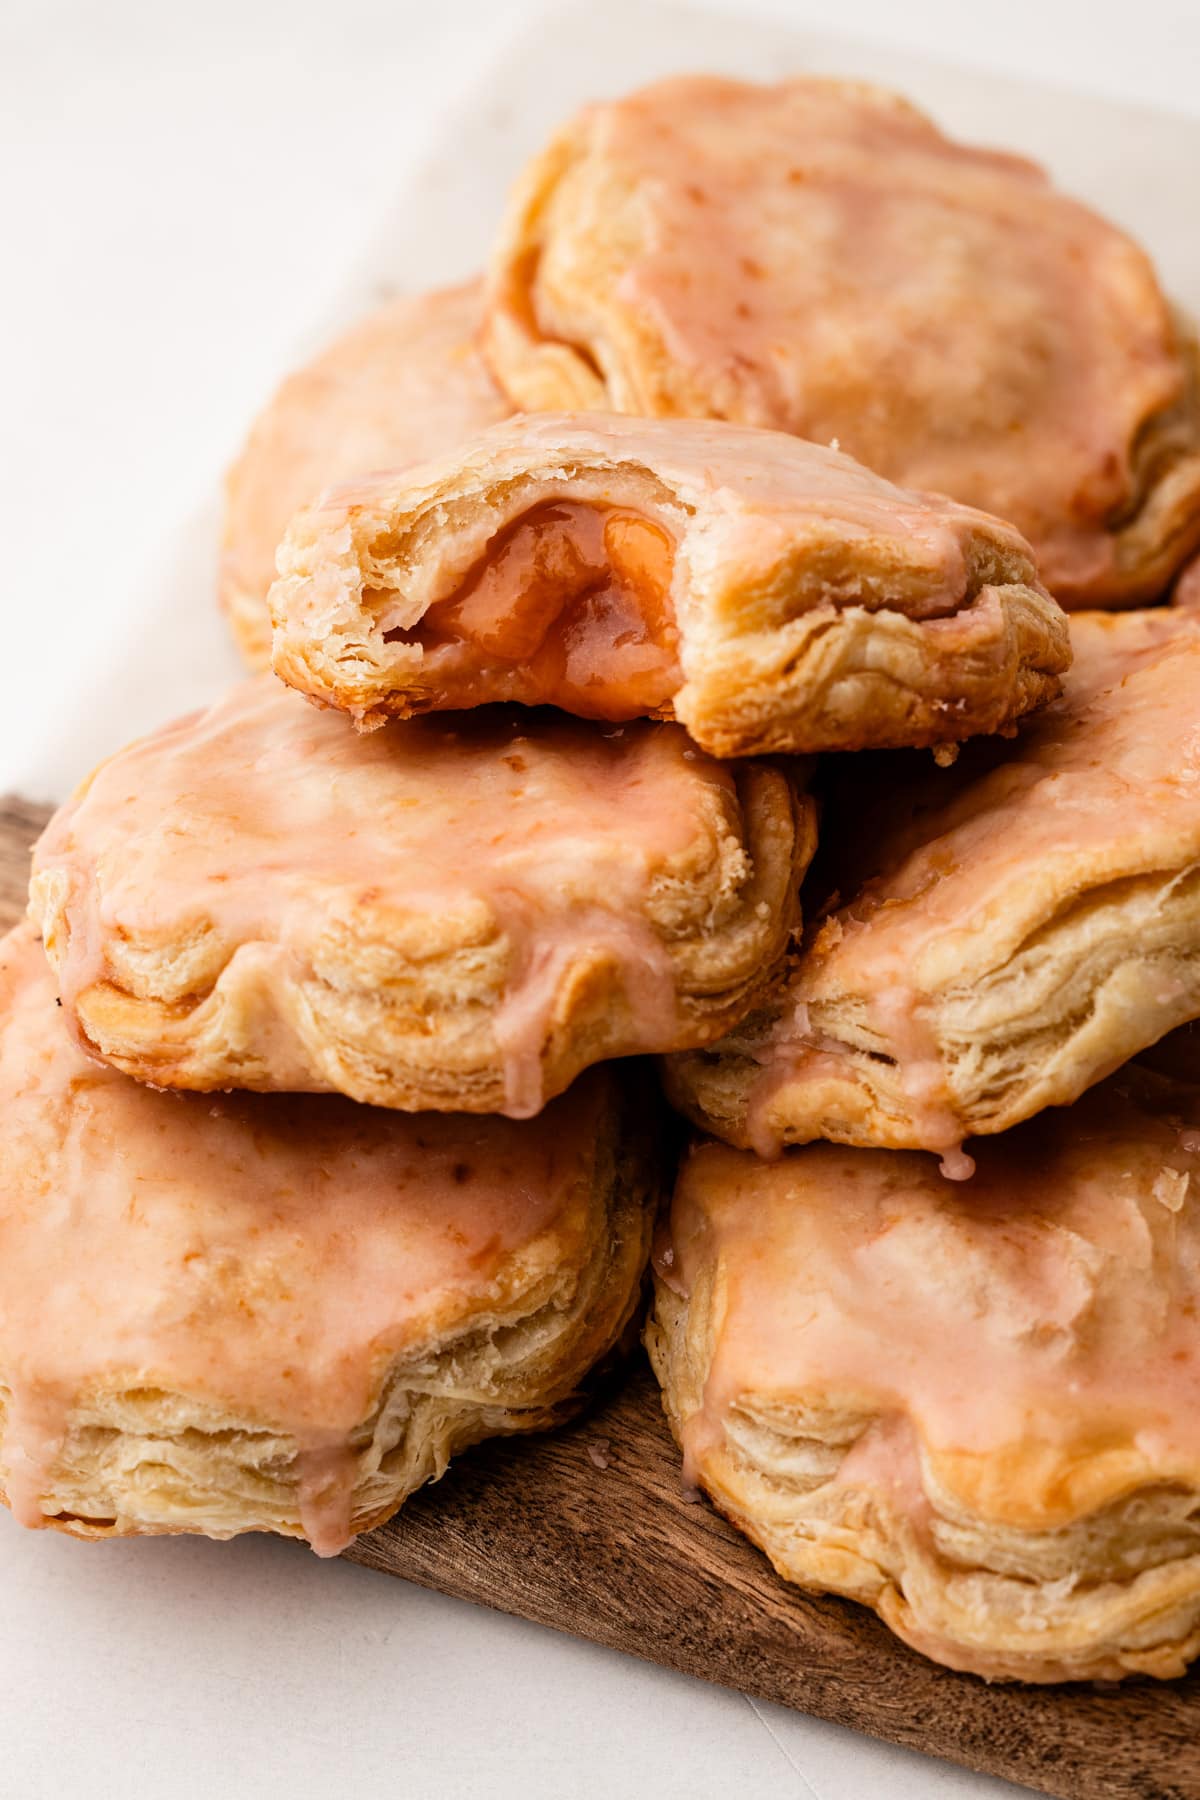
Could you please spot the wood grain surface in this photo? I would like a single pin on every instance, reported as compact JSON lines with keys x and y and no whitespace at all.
{"x":588,"y":1531}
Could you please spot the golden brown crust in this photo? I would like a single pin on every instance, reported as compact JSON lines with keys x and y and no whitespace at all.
{"x":813,"y":606}
{"x":282,"y":1313}
{"x":1003,"y":933}
{"x":400,"y":385}
{"x":454,"y":915}
{"x":971,"y":1407}
{"x":952,"y":320}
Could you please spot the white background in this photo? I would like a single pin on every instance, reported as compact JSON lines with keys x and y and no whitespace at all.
{"x":184,"y":189}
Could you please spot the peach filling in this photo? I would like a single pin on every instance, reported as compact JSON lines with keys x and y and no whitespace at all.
{"x":569,"y":606}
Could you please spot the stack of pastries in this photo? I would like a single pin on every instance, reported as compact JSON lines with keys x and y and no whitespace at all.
{"x":766,"y":650}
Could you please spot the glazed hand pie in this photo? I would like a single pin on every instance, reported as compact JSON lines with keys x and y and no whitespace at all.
{"x":768,"y":594}
{"x":975,"y":1409}
{"x":818,"y":258}
{"x":404,"y":383}
{"x":1002,"y":933}
{"x":454,"y":914}
{"x":254,"y":1313}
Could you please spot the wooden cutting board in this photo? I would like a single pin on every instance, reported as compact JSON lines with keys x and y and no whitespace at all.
{"x":588,"y":1531}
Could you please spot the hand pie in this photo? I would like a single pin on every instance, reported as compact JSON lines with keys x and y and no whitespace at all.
{"x":456,"y":915}
{"x":406,"y":382}
{"x":974,"y":1408}
{"x":279,"y":1313}
{"x":940,"y":311}
{"x":768,"y":594}
{"x":1003,"y":933}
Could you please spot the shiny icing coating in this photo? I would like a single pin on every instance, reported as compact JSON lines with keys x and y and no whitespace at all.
{"x":270,"y":1255}
{"x":1031,"y":1336}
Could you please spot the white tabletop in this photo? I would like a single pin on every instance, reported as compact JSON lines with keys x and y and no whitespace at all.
{"x":184,"y":189}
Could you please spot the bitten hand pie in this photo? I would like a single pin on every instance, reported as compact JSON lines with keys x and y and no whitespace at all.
{"x":406,"y":382}
{"x":456,"y":914}
{"x":975,"y":1409}
{"x":768,"y":594}
{"x":818,"y":258}
{"x":1002,"y":933}
{"x":253,"y":1313}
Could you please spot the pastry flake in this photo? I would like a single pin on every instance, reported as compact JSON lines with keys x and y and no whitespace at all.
{"x":455,"y":914}
{"x":818,"y":258}
{"x":768,"y":594}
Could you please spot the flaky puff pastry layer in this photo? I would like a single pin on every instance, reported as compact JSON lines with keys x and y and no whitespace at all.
{"x":454,"y":915}
{"x":402,"y":384}
{"x":282,"y":1313}
{"x":819,"y":258}
{"x":1002,"y":933}
{"x":769,"y":594}
{"x":973,"y":1407}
